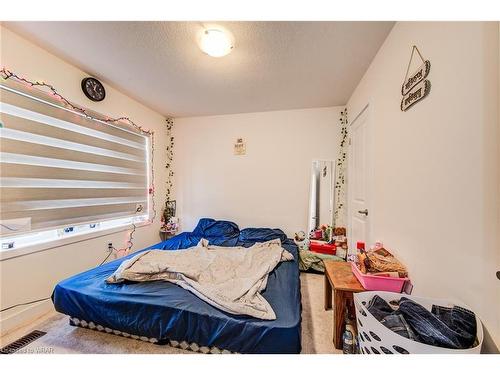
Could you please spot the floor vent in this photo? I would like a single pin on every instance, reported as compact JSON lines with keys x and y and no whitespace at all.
{"x":22,"y":342}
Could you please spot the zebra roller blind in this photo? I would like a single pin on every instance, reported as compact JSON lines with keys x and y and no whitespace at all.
{"x":60,"y":168}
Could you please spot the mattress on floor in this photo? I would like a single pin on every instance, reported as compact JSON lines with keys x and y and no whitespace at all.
{"x":165,"y":311}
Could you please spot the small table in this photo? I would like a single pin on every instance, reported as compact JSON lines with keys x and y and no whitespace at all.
{"x":339,"y":276}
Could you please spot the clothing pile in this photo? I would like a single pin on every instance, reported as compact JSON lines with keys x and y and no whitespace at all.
{"x":446,"y":327}
{"x":381,"y":262}
{"x":311,"y":261}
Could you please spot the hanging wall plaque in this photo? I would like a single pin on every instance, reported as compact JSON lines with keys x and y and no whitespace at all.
{"x":421,"y":73}
{"x":415,"y":87}
{"x":416,"y":94}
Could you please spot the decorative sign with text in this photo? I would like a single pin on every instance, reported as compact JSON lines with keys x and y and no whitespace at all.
{"x":416,"y":94}
{"x":421,"y":73}
{"x":240,"y":147}
{"x":415,"y":87}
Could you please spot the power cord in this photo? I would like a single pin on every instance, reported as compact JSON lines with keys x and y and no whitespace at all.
{"x":44,"y":299}
{"x":26,"y":303}
{"x":105,"y":259}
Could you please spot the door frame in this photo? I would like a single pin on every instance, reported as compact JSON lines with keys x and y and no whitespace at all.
{"x":365,"y":112}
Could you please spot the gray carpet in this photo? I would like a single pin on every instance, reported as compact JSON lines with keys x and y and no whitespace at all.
{"x":317,"y":331}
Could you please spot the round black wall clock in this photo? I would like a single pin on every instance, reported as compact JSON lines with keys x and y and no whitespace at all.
{"x":93,"y":89}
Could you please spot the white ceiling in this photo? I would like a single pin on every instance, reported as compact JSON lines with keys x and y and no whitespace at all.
{"x":274,"y":65}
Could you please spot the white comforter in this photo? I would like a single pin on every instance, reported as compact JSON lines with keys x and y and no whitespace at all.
{"x":229,"y":278}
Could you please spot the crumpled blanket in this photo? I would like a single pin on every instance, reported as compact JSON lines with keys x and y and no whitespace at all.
{"x":229,"y":278}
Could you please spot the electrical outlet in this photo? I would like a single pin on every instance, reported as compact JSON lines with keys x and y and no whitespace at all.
{"x":110,"y":247}
{"x":7,"y":245}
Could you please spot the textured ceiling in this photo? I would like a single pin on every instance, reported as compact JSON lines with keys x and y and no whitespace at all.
{"x":274,"y":65}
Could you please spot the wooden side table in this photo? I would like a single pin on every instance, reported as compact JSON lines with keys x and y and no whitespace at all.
{"x":339,"y":277}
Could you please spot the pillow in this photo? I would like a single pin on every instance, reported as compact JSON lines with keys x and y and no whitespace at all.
{"x":261,"y":235}
{"x":216,"y":229}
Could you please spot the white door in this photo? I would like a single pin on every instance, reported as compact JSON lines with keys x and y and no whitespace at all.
{"x":358,"y":204}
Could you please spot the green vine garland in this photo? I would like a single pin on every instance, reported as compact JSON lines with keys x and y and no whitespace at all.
{"x":170,"y":157}
{"x":341,"y":171}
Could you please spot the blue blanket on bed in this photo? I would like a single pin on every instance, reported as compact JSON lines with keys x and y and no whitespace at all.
{"x":165,"y":311}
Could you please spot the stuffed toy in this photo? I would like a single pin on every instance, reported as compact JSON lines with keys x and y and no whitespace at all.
{"x":301,"y":241}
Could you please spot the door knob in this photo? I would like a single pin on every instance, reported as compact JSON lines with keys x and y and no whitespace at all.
{"x":364,"y":212}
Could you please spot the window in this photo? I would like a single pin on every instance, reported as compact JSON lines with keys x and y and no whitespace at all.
{"x":62,"y":173}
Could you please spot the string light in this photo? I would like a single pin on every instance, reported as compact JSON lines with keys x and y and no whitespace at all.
{"x":129,"y":243}
{"x":7,"y":74}
{"x":152,"y":187}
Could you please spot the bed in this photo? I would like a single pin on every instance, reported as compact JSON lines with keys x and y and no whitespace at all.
{"x":164,"y":313}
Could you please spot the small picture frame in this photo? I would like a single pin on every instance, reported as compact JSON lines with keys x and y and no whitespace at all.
{"x":170,"y":210}
{"x":240,"y":147}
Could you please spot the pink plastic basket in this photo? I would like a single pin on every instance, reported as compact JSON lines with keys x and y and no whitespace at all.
{"x":370,"y":282}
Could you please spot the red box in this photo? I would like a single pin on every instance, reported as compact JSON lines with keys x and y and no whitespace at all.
{"x":323,"y":247}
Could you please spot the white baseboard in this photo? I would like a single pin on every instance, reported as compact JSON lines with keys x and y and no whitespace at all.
{"x":23,"y":316}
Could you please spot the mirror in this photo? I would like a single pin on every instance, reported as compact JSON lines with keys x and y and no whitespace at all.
{"x":321,"y":201}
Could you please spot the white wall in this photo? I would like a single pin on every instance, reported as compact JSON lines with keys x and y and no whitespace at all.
{"x":269,"y":186}
{"x":436,"y":166}
{"x":34,"y":276}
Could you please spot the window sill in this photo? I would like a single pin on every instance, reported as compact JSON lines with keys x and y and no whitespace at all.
{"x":14,"y":253}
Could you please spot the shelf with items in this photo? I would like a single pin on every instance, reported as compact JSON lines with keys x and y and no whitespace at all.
{"x":169,"y":222}
{"x":329,"y":240}
{"x":169,"y":229}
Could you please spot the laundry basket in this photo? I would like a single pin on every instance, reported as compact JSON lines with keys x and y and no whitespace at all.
{"x":375,"y":338}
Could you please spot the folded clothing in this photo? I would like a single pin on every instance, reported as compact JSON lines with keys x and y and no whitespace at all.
{"x":446,"y":327}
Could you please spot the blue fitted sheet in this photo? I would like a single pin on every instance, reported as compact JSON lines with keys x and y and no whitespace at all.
{"x":165,"y":311}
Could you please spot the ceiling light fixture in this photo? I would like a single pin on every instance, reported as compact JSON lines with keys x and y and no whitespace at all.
{"x":216,"y":43}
